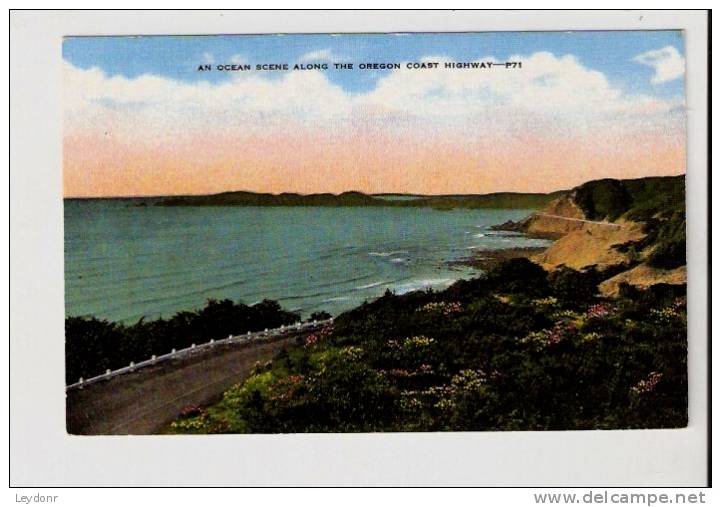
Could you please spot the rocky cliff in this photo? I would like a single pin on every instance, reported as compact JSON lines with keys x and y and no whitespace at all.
{"x":636,"y":226}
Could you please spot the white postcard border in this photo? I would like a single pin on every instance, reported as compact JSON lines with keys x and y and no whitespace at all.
{"x":42,"y":454}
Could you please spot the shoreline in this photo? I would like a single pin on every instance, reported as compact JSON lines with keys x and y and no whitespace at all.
{"x":488,"y":259}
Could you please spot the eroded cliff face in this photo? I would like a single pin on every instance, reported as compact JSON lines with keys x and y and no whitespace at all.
{"x":581,"y":243}
{"x":554,"y":221}
{"x":642,"y":276}
{"x":564,"y":206}
{"x":591,"y":244}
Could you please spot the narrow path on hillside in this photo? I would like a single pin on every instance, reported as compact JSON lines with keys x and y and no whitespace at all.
{"x":578,"y":220}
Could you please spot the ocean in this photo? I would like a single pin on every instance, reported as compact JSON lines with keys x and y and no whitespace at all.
{"x":124,"y":262}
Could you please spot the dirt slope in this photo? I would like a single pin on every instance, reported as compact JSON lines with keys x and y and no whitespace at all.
{"x":583,"y":243}
{"x":590,"y":244}
{"x":643,"y":276}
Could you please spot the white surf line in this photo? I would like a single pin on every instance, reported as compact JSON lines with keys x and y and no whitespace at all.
{"x":579,"y":220}
{"x":258,"y":335}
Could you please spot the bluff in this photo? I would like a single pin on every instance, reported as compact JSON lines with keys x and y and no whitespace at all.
{"x":635,"y":228}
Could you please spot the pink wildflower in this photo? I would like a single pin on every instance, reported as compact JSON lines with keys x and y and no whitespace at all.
{"x":648,"y":384}
{"x":598,"y":310}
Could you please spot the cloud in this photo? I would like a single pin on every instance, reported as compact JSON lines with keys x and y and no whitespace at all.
{"x":238,"y":59}
{"x":553,"y":122}
{"x":208,"y":58}
{"x":315,"y":56}
{"x":549,"y":90}
{"x":667,"y":63}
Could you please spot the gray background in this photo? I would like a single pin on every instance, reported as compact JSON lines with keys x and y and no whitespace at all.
{"x":42,"y":454}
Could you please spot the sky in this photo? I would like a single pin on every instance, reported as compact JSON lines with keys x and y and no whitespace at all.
{"x":140,"y":118}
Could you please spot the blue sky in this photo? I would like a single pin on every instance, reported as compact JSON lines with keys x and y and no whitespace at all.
{"x":177,"y":57}
{"x":585,"y":105}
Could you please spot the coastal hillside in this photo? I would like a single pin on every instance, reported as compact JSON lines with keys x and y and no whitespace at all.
{"x":637,"y":227}
{"x":526,"y":346}
{"x":520,"y":348}
{"x":565,"y":340}
{"x":500,"y":200}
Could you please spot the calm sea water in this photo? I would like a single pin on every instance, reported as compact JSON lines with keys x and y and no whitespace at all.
{"x":123,"y":262}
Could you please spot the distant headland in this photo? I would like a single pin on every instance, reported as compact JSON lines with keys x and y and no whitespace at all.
{"x":509,"y":200}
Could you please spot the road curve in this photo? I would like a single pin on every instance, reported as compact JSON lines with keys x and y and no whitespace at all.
{"x":144,"y":401}
{"x":595,"y":222}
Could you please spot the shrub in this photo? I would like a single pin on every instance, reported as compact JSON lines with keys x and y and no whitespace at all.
{"x":504,"y":358}
{"x":92,"y":345}
{"x":573,"y":288}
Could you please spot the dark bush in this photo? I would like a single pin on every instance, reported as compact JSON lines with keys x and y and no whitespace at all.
{"x":603,"y":199}
{"x":574,"y":288}
{"x":518,"y":276}
{"x":92,"y":345}
{"x":516,"y":350}
{"x":320,"y":316}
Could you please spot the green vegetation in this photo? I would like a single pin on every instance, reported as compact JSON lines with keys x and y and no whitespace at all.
{"x":517,"y":349}
{"x":603,"y":199}
{"x":659,"y":203}
{"x":93,"y":345}
{"x":507,"y":200}
{"x":640,"y":199}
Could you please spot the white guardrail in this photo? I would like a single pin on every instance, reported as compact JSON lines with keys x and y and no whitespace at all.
{"x":258,"y":335}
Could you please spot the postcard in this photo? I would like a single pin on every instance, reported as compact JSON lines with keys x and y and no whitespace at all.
{"x":392,"y":232}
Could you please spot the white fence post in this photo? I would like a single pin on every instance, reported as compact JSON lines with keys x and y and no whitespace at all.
{"x":132,"y":367}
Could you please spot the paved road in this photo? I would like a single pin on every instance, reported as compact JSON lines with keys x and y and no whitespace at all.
{"x":144,"y":401}
{"x":578,"y":220}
